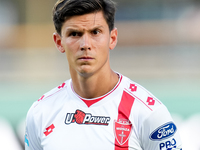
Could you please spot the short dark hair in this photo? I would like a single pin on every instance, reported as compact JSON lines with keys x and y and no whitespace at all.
{"x":64,"y":9}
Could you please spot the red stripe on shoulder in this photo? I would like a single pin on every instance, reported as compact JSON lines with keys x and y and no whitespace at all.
{"x":122,"y":126}
{"x":138,"y":99}
{"x":125,"y":105}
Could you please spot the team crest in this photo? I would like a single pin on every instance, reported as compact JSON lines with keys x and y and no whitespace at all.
{"x":122,"y":130}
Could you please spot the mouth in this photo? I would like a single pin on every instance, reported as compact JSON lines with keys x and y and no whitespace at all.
{"x":85,"y":58}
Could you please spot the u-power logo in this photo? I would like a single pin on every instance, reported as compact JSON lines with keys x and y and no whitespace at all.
{"x":81,"y":117}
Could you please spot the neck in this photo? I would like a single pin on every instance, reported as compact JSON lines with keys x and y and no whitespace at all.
{"x":95,"y":85}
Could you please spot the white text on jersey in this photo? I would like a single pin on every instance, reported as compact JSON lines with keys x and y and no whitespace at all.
{"x":81,"y":117}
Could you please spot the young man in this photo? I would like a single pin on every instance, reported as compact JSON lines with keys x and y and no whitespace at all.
{"x":97,"y":109}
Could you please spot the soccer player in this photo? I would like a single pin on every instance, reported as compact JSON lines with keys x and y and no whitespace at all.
{"x":97,"y":109}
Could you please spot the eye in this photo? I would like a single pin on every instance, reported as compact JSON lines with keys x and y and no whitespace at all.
{"x":95,"y":32}
{"x":74,"y":33}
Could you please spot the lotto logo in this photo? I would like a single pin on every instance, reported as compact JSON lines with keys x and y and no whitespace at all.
{"x":150,"y":101}
{"x":81,"y":117}
{"x":61,"y":86}
{"x":49,"y":129}
{"x":133,"y":87}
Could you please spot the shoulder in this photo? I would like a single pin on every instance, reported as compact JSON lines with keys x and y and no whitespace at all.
{"x":47,"y":101}
{"x":150,"y":117}
{"x":145,"y":106}
{"x":54,"y":91}
{"x":142,"y":97}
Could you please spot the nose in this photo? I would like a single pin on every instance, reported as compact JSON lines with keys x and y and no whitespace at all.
{"x":85,"y":42}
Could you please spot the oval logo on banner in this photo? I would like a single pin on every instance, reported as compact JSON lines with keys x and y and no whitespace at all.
{"x":165,"y":131}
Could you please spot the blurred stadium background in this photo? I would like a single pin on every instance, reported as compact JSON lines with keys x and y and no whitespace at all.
{"x":158,"y":47}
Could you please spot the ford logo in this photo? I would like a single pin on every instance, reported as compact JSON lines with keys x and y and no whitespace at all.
{"x":165,"y":131}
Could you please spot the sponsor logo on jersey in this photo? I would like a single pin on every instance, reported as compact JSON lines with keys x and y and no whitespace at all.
{"x":26,"y":140}
{"x":133,"y":87}
{"x":122,"y":130}
{"x":81,"y":117}
{"x":49,"y":129}
{"x":61,"y":86}
{"x":163,"y":132}
{"x":168,"y":145}
{"x":150,"y":101}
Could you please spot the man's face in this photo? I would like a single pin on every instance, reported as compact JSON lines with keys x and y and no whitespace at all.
{"x":86,"y":40}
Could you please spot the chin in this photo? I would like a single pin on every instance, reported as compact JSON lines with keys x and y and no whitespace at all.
{"x":85,"y":71}
{"x":85,"y":74}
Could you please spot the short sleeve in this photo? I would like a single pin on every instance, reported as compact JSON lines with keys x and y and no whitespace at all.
{"x":159,"y":132}
{"x":32,"y":141}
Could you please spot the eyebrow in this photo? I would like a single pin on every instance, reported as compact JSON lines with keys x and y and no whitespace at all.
{"x":72,"y":29}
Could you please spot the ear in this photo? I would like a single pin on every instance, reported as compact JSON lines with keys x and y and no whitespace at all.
{"x":57,"y":39}
{"x":113,"y":39}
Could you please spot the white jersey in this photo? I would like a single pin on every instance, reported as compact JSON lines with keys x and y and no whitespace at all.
{"x":127,"y":118}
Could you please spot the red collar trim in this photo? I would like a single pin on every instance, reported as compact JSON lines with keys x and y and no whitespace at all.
{"x":90,"y":102}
